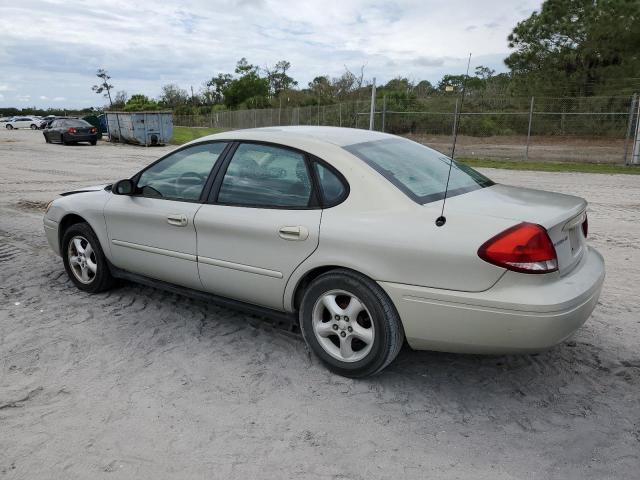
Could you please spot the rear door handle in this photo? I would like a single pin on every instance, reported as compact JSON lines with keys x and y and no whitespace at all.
{"x":293,"y":233}
{"x":179,"y":220}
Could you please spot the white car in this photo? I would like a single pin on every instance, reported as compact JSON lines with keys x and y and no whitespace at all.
{"x":342,"y":231}
{"x":23,"y":122}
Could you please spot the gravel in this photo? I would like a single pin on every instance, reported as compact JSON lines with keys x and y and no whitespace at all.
{"x":139,"y":383}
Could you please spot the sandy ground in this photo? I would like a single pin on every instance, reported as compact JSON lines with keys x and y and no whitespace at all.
{"x":138,"y":383}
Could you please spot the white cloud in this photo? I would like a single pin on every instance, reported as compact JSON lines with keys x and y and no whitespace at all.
{"x":43,"y":97}
{"x":1,"y":96}
{"x":145,"y":44}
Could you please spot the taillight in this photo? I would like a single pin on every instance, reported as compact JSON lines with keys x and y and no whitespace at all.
{"x":585,"y":226}
{"x":523,"y":248}
{"x":71,"y":130}
{"x":93,"y":130}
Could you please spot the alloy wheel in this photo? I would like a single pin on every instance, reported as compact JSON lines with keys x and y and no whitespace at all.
{"x":82,"y":259}
{"x":343,"y":326}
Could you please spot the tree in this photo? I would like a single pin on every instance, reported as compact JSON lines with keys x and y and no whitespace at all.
{"x":104,"y":85}
{"x":216,"y":86}
{"x":173,"y":96}
{"x":279,"y":81}
{"x":249,"y":88}
{"x":484,"y":73}
{"x":424,"y":88}
{"x":140,"y":102}
{"x":120,"y":99}
{"x":577,"y":42}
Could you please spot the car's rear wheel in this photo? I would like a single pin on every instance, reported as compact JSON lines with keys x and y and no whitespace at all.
{"x":9,"y":127}
{"x":350,"y":323}
{"x":93,"y":142}
{"x":84,"y":259}
{"x":34,"y":126}
{"x":63,"y":141}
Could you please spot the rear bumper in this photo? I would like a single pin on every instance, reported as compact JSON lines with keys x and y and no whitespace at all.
{"x":90,"y":137}
{"x":520,"y":313}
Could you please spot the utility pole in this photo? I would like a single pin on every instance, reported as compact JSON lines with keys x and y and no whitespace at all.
{"x":373,"y":104}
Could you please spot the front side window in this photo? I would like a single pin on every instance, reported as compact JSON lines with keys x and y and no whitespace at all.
{"x":266,"y":176}
{"x":181,"y":175}
{"x":419,"y":171}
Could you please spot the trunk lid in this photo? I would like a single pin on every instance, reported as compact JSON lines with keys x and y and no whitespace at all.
{"x":562,"y":215}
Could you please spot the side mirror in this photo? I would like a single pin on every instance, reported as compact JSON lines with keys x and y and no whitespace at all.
{"x":123,"y":187}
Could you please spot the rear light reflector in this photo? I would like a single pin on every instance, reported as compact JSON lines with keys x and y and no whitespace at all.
{"x":93,"y":130}
{"x":524,"y":248}
{"x":71,"y":130}
{"x":585,"y":226}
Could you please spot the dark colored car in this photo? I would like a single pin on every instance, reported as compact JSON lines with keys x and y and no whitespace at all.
{"x":47,"y":121}
{"x":67,"y":131}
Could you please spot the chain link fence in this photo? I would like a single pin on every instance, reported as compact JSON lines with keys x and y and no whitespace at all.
{"x":577,"y":129}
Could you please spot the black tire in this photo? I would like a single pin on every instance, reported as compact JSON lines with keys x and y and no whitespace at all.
{"x":63,"y":141}
{"x":103,"y":280}
{"x":9,"y":127}
{"x":93,"y":142}
{"x":46,"y":138}
{"x":34,"y":126}
{"x":388,"y":337}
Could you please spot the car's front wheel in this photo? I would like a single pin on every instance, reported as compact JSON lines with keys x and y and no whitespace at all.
{"x":350,"y":323}
{"x":84,"y":259}
{"x":34,"y":126}
{"x":9,"y":127}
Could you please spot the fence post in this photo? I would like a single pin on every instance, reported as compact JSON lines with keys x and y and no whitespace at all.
{"x":526,"y":152}
{"x":635,"y":157}
{"x":340,"y":113}
{"x":384,"y":110}
{"x":455,"y":122}
{"x":632,"y":109}
{"x":373,"y":104}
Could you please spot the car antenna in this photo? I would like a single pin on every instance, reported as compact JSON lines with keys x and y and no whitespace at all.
{"x":441,"y":220}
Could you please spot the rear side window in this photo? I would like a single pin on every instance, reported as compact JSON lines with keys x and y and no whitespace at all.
{"x":266,"y":176}
{"x":333,"y":190}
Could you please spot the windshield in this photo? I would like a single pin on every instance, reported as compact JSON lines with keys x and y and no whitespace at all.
{"x":419,"y":171}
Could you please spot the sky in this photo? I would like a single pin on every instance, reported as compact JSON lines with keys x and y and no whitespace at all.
{"x":51,"y":49}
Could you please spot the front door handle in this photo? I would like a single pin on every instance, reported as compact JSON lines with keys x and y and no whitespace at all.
{"x":179,"y":220}
{"x":293,"y":233}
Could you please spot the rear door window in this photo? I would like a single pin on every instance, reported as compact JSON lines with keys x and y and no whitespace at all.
{"x":266,"y":176}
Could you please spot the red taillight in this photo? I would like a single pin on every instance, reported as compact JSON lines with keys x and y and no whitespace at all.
{"x":93,"y":130}
{"x":71,"y":130}
{"x":523,"y":248}
{"x":585,"y":226}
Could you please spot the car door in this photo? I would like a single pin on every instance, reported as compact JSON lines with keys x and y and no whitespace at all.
{"x":152,"y":232}
{"x":22,"y":122}
{"x":261,"y":221}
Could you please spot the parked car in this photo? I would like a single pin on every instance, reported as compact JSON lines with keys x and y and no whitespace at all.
{"x":23,"y":122}
{"x":67,"y":131}
{"x":48,"y":120}
{"x":336,"y":229}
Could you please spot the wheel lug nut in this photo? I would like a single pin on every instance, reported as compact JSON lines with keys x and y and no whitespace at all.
{"x":335,"y":327}
{"x":346,"y":319}
{"x":337,"y":317}
{"x":350,"y":329}
{"x":343,"y":334}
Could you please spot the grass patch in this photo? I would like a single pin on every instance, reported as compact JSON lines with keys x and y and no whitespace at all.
{"x":186,"y":134}
{"x":550,"y":166}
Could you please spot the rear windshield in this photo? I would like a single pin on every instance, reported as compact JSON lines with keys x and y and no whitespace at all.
{"x":419,"y":171}
{"x":76,"y":123}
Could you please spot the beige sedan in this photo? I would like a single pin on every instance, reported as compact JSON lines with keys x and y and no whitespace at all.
{"x":337,"y":229}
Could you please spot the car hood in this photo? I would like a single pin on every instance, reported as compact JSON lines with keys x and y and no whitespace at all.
{"x":94,"y":188}
{"x":517,"y":203}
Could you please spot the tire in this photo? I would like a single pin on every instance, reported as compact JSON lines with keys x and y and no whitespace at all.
{"x":76,"y":240}
{"x":9,"y":127}
{"x":34,"y":126}
{"x":63,"y":141}
{"x":326,"y":329}
{"x":46,"y":138}
{"x":93,"y":142}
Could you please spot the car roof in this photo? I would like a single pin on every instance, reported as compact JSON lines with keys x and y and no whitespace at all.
{"x":339,"y":136}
